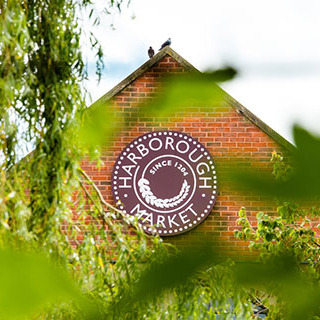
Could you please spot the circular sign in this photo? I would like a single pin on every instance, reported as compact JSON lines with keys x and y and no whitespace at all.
{"x":167,"y":179}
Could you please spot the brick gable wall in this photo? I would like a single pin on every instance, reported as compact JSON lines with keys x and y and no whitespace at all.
{"x":224,"y":132}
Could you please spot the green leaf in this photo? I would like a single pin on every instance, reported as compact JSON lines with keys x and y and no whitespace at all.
{"x":99,"y":125}
{"x":260,"y":215}
{"x":30,"y":282}
{"x":199,"y":90}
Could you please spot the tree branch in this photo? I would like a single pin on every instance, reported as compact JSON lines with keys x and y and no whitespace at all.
{"x":108,"y":205}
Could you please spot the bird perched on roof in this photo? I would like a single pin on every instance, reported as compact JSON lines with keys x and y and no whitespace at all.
{"x":167,"y":43}
{"x":150,"y":52}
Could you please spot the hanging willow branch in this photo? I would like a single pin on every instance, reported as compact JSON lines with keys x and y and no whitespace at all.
{"x":106,"y":218}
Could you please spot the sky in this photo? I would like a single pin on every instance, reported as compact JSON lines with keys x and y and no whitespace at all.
{"x":274,"y":45}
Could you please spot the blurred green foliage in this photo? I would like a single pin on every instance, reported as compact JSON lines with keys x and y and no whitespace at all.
{"x":52,"y":212}
{"x":194,"y":89}
{"x":30,"y":281}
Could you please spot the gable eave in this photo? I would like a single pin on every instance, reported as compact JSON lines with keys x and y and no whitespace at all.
{"x":259,"y":123}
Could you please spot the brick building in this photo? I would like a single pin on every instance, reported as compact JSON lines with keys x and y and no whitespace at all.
{"x":227,"y":131}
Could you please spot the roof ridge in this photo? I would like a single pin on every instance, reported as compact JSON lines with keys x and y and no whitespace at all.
{"x":143,"y":68}
{"x":188,"y":66}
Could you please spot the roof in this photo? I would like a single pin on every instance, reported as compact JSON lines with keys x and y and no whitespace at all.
{"x":189,"y":67}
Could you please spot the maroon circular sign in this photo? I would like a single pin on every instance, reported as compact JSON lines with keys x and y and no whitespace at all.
{"x":167,"y":179}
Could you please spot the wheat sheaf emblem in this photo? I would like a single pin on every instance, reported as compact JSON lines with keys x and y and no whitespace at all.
{"x":150,"y":198}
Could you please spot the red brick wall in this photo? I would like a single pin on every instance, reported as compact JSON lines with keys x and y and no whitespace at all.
{"x":223,"y":131}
